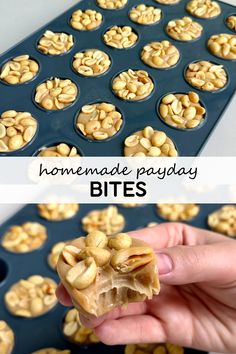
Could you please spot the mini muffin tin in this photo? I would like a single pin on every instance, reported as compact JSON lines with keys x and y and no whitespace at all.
{"x":58,"y":126}
{"x":45,"y":331}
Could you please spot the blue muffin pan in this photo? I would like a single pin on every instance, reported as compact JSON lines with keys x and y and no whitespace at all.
{"x":45,"y":331}
{"x":58,"y":126}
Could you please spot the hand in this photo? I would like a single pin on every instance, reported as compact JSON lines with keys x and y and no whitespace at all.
{"x":197,"y":303}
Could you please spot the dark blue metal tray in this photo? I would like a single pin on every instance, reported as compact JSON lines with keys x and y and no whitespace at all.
{"x":59,"y":125}
{"x":45,"y":331}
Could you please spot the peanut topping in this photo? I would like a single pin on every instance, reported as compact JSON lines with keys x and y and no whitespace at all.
{"x":149,"y":142}
{"x":57,"y":212}
{"x":106,"y":220}
{"x":130,"y":259}
{"x":133,"y":85}
{"x":99,"y":121}
{"x":182,"y":111}
{"x":24,"y":238}
{"x":60,"y":150}
{"x":55,"y":43}
{"x":160,"y":54}
{"x":17,"y":129}
{"x":112,"y":4}
{"x":54,"y":254}
{"x":203,"y":8}
{"x":145,"y":15}
{"x":7,"y":339}
{"x":184,"y":29}
{"x":56,"y":94}
{"x":92,"y":62}
{"x":178,"y":212}
{"x":32,"y":297}
{"x":223,"y":45}
{"x":120,"y":37}
{"x":19,"y":70}
{"x":153,"y":349}
{"x":168,"y":2}
{"x":86,"y":20}
{"x":206,"y":75}
{"x":75,"y":332}
{"x":231,"y":22}
{"x":223,"y":220}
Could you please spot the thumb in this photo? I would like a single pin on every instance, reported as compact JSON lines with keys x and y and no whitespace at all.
{"x":191,"y":264}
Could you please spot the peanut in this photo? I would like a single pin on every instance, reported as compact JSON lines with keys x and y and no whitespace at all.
{"x":55,"y":43}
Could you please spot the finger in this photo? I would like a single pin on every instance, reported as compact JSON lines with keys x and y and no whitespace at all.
{"x":119,"y":312}
{"x":205,"y":263}
{"x":63,"y":296}
{"x":131,"y":329}
{"x":173,"y":234}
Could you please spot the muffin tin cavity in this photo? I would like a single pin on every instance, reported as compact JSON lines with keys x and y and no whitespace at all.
{"x":7,"y":338}
{"x":24,"y":238}
{"x":168,"y":2}
{"x":133,"y":85}
{"x":231,"y":22}
{"x":184,"y":29}
{"x":203,"y":8}
{"x":149,"y":142}
{"x":223,"y":220}
{"x":91,"y":62}
{"x":55,"y":43}
{"x":182,"y":110}
{"x":99,"y":121}
{"x":206,"y":76}
{"x":177,"y":212}
{"x":56,"y":94}
{"x":160,"y":55}
{"x":145,"y":15}
{"x":120,"y":37}
{"x":111,"y":4}
{"x":17,"y":129}
{"x":86,"y":20}
{"x":57,"y":212}
{"x":59,"y":150}
{"x":19,"y":70}
{"x":223,"y":45}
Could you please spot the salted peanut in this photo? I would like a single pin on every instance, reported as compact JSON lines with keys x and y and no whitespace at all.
{"x":111,"y":4}
{"x":177,"y":212}
{"x":75,"y":332}
{"x":203,"y":8}
{"x":149,"y":142}
{"x":125,"y":271}
{"x":19,"y":70}
{"x":57,"y":212}
{"x":92,"y":62}
{"x":31,"y":297}
{"x":206,"y":75}
{"x":56,"y":94}
{"x":86,"y":20}
{"x":107,"y":220}
{"x":223,"y":220}
{"x":183,"y":111}
{"x":54,"y":254}
{"x":223,"y":45}
{"x":133,"y":85}
{"x":153,"y":349}
{"x":168,"y":2}
{"x":120,"y":241}
{"x":55,"y":43}
{"x":52,"y":351}
{"x":184,"y":29}
{"x":7,"y":338}
{"x":97,"y":118}
{"x":60,"y":150}
{"x":160,"y":54}
{"x":24,"y":238}
{"x":145,"y":15}
{"x":120,"y":37}
{"x":231,"y":22}
{"x":17,"y":129}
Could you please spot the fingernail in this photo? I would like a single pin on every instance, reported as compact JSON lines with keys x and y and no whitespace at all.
{"x":165,"y":264}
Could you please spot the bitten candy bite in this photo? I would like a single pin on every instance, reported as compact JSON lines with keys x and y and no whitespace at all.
{"x":101,"y":272}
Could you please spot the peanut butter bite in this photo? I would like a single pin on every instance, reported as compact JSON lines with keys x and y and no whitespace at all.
{"x":101,"y":273}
